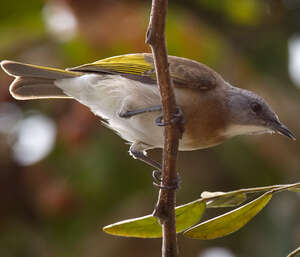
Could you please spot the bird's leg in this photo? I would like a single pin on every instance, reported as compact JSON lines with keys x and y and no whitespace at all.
{"x":128,"y":111}
{"x":137,"y":151}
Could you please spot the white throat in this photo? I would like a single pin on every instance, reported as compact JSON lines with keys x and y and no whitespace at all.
{"x":235,"y":130}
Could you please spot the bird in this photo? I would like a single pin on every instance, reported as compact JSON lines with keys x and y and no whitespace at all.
{"x":123,"y":91}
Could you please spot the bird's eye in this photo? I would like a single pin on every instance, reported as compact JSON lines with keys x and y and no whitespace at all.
{"x":256,"y":107}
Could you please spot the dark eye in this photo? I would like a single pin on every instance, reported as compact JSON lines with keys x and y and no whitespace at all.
{"x":256,"y":107}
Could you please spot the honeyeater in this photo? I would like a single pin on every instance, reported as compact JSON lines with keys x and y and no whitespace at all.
{"x":123,"y":91}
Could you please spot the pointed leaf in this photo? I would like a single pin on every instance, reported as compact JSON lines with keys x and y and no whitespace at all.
{"x":294,"y":253}
{"x":295,"y":189}
{"x":223,"y":199}
{"x":229,"y":222}
{"x":148,"y":227}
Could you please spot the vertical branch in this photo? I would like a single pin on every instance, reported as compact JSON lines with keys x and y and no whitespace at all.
{"x":165,"y":209}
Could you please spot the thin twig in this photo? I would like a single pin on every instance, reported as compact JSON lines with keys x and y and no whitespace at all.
{"x":165,"y":208}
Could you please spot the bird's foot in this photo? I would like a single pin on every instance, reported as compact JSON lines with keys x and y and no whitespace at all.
{"x":177,"y":118}
{"x":156,"y":174}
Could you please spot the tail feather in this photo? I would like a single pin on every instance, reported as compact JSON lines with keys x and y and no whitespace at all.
{"x":35,"y":82}
{"x":18,"y":69}
{"x":26,"y":88}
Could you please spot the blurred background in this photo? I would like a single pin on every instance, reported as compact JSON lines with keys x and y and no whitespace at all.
{"x":63,"y":176}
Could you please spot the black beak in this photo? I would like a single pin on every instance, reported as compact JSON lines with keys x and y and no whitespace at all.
{"x":283,"y":130}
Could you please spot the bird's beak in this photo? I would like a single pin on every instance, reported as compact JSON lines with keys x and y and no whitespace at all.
{"x":280,"y":128}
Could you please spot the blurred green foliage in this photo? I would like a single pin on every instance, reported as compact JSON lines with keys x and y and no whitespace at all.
{"x":246,"y":12}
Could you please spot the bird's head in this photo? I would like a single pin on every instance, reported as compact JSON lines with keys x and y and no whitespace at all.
{"x":250,"y":114}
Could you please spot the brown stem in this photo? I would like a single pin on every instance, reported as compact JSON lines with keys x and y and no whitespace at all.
{"x":165,"y":208}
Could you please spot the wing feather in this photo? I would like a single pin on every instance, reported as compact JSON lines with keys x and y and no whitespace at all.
{"x":184,"y":72}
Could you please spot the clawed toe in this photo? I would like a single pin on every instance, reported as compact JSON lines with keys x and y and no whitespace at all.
{"x":157,"y":177}
{"x":177,"y":118}
{"x":156,"y":174}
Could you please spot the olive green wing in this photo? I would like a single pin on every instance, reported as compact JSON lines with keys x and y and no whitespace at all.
{"x":183,"y":72}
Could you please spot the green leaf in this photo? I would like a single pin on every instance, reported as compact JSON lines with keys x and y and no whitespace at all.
{"x":294,"y":253}
{"x":229,"y":222}
{"x":295,"y":189}
{"x":221,"y":199}
{"x":148,"y":226}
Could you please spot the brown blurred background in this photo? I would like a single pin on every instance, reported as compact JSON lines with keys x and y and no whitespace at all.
{"x":63,"y":176}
